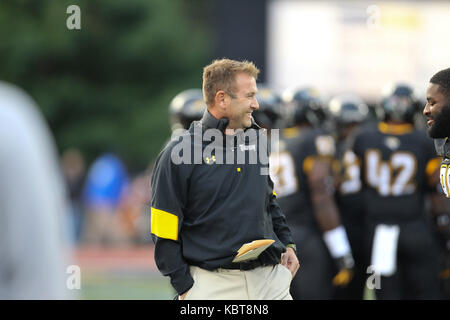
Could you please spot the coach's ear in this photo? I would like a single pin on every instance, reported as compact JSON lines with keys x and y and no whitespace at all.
{"x":221,"y":100}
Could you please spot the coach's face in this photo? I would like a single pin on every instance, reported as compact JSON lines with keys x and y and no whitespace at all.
{"x":437,"y":112}
{"x":242,"y":102}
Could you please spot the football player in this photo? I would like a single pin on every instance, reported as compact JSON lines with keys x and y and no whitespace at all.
{"x":269,"y":113}
{"x":302,"y":175}
{"x":398,"y":167}
{"x":437,"y":113}
{"x":347,"y":113}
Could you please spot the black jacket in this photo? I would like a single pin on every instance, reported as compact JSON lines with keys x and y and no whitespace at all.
{"x":209,"y":198}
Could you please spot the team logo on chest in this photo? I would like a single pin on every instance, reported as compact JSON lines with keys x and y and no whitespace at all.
{"x":392,"y":143}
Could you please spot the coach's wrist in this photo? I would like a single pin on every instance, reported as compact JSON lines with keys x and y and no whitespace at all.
{"x":181,"y":280}
{"x":182,"y":296}
{"x":292,"y":246}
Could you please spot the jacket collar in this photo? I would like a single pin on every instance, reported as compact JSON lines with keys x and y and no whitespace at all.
{"x":209,"y":121}
{"x":442,"y":147}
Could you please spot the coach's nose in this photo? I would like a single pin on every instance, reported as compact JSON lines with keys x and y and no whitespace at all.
{"x":255,"y":104}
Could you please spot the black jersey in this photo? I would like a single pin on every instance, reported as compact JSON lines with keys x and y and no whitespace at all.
{"x":349,"y":196}
{"x":395,"y":161}
{"x":289,"y":168}
{"x":443,"y":150}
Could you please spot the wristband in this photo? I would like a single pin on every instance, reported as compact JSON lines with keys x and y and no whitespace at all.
{"x":337,"y":242}
{"x":292,"y":246}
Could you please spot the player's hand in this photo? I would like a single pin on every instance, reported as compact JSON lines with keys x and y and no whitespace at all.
{"x":290,"y":261}
{"x":345,"y":274}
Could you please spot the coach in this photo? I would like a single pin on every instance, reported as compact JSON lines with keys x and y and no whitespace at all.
{"x":201,"y":214}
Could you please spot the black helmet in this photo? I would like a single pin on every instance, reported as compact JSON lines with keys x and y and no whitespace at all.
{"x":347,"y":109}
{"x":399,"y":103}
{"x":302,"y":105}
{"x":187,"y":106}
{"x":269,"y":113}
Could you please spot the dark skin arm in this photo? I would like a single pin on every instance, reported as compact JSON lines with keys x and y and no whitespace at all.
{"x":324,"y":205}
{"x":438,"y":204}
{"x":325,"y":208}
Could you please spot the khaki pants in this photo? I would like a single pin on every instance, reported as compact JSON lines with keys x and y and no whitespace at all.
{"x":263,"y":283}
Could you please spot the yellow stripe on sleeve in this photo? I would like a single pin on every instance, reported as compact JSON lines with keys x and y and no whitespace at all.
{"x":164,"y":224}
{"x":432,"y":166}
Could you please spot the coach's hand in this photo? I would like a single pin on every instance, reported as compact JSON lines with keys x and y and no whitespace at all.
{"x":184,"y":295}
{"x":290,"y":261}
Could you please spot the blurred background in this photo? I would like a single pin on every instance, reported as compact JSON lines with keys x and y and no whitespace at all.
{"x":105,"y":89}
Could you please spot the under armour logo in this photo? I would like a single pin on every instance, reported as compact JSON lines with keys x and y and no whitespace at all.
{"x":210,"y":160}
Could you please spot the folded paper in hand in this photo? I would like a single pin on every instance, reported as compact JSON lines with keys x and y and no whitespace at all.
{"x":251,"y":251}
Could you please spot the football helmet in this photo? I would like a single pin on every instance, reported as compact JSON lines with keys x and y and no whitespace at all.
{"x":302,"y":105}
{"x":269,"y":113}
{"x":399,"y":103}
{"x":185,"y":107}
{"x":347,"y":109}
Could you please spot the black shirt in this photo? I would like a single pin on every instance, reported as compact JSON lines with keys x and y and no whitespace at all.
{"x":290,"y":172}
{"x":349,"y":196}
{"x":211,"y":193}
{"x":395,"y":161}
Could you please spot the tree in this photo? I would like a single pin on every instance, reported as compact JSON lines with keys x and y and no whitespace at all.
{"x":106,"y":86}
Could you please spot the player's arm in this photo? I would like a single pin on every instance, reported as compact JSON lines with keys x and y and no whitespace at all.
{"x":438,"y":202}
{"x":432,"y":172}
{"x":320,"y":181}
{"x":440,"y":210}
{"x":322,"y":195}
{"x":167,"y":203}
{"x":441,"y":216}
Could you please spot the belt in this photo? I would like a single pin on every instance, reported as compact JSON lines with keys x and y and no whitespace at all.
{"x":244,"y":266}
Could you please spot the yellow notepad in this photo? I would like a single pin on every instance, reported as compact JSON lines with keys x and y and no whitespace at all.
{"x":251,"y":251}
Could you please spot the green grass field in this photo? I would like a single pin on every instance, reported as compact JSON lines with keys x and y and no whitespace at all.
{"x":120,"y":274}
{"x":130,"y":274}
{"x":125,"y":286}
